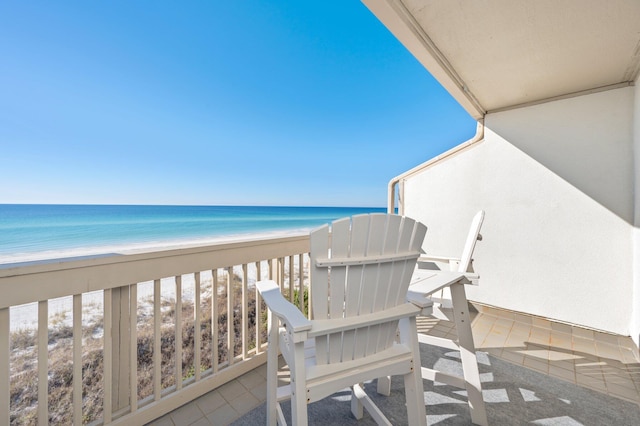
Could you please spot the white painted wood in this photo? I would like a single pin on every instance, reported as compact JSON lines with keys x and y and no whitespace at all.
{"x":120,"y":349}
{"x":341,"y":305}
{"x":320,"y":303}
{"x":359,"y":395}
{"x":291,"y":280}
{"x":178,"y":333}
{"x":357,"y":408}
{"x":293,"y":319}
{"x":77,"y":359}
{"x":301,"y":282}
{"x":278,"y":270}
{"x":439,"y":376}
{"x":364,"y":321}
{"x":468,"y":355}
{"x":351,"y":305}
{"x":4,"y":366}
{"x":258,"y":309}
{"x":363,"y":260}
{"x":280,"y":416}
{"x":230,"y":323}
{"x":157,"y":355}
{"x":43,"y":362}
{"x":197,"y":322}
{"x":245,"y":312}
{"x":299,"y":397}
{"x":438,"y":341}
{"x":23,"y":284}
{"x":214,"y":321}
{"x":427,"y":282}
{"x":272,"y":365}
{"x":133,"y":345}
{"x":107,"y":356}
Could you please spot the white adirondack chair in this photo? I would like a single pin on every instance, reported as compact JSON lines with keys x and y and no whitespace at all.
{"x":462,"y":263}
{"x":360,"y":272}
{"x":460,"y":315}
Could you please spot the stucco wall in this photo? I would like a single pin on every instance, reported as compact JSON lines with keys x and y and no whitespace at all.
{"x":556,"y":182}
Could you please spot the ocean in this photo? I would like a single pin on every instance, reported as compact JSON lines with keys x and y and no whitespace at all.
{"x":43,"y":231}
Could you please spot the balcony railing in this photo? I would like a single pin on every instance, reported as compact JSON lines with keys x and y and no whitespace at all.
{"x":153,"y":330}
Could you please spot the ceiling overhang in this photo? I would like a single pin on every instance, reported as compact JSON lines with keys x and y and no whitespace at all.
{"x":499,"y":54}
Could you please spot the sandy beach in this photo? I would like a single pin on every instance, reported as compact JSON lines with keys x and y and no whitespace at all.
{"x":60,"y":309}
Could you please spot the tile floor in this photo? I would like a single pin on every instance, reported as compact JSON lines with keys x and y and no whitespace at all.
{"x":600,"y":361}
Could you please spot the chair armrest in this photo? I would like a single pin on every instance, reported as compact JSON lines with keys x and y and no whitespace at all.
{"x":422,"y":301}
{"x":288,"y":313}
{"x":430,"y":258}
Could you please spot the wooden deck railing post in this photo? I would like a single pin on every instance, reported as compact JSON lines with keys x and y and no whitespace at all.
{"x":120,"y":350}
{"x":5,"y":356}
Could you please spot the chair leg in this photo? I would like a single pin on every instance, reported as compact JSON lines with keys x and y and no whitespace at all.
{"x":468,"y":355}
{"x":298,"y":387}
{"x":384,"y":385}
{"x":357,"y":409}
{"x":272,"y":370}
{"x":413,"y":388}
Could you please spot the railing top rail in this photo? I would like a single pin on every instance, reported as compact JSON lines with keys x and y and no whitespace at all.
{"x":41,"y":280}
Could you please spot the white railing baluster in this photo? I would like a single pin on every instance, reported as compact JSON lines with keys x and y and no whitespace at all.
{"x":281,"y":273}
{"x":300,"y":284}
{"x":43,"y":362}
{"x":291,"y":286}
{"x":197,"y":332}
{"x":230,"y":323}
{"x":258,"y":307}
{"x":245,"y":312}
{"x":178,"y":339}
{"x":77,"y":359}
{"x":107,"y":356}
{"x":157,"y":342}
{"x":5,"y":356}
{"x":214,"y":322}
{"x":133,"y":347}
{"x":270,"y":269}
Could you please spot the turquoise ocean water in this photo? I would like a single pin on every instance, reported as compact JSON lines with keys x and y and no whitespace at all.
{"x":37,"y":231}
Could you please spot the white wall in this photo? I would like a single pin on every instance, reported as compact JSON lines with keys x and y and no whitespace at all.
{"x":556,"y":182}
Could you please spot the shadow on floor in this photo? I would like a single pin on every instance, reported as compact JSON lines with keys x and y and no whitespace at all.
{"x":514,"y":395}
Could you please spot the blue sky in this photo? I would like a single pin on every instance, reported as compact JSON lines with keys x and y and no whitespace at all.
{"x":209,"y":102}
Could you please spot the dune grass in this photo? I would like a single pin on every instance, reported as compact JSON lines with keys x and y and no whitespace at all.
{"x":23,"y":357}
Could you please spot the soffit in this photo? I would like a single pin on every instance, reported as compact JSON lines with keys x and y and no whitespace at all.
{"x":496,"y":54}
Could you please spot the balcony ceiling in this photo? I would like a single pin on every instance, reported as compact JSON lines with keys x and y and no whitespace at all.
{"x":497,"y":54}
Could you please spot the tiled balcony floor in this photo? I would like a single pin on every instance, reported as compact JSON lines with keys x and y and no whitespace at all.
{"x":599,"y":361}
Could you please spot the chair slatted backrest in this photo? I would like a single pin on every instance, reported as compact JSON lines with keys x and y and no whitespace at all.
{"x":361,"y":265}
{"x":472,"y":237}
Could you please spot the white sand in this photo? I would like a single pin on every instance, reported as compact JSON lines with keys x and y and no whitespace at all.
{"x":123,"y":249}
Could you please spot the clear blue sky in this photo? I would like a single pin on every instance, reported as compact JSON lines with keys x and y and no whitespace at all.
{"x":212,"y":102}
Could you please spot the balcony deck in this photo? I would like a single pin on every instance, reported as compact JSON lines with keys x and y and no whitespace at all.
{"x":597,"y":372}
{"x":583,"y":360}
